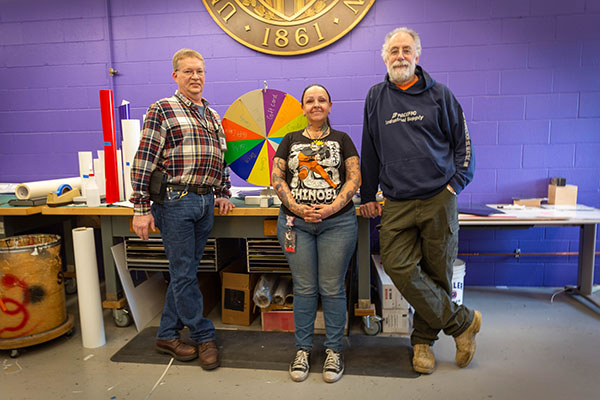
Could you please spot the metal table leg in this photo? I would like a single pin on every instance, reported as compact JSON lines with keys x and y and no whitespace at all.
{"x":113,"y":286}
{"x":585,"y":265}
{"x":364,"y":264}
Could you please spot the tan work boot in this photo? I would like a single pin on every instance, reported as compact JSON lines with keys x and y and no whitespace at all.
{"x":423,"y":359}
{"x":465,"y":342}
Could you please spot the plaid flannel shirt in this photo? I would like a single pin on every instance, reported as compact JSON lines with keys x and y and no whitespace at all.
{"x":178,"y":140}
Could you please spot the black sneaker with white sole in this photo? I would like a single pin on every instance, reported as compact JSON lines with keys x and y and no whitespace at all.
{"x":300,"y":366}
{"x":333,"y":368}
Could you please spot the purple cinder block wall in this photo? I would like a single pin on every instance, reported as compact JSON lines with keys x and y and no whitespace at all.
{"x":527,"y":73}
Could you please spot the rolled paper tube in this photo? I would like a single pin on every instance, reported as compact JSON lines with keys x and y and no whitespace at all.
{"x":264,"y":289}
{"x":282,"y":289}
{"x":131,"y":141}
{"x":88,"y":288}
{"x":85,"y":163}
{"x":262,"y":300}
{"x":120,"y":175}
{"x":99,"y":172}
{"x":85,"y":167}
{"x":27,"y":190}
{"x":289,"y":299}
{"x":124,"y":111}
{"x":127,"y":184}
{"x":110,"y":148}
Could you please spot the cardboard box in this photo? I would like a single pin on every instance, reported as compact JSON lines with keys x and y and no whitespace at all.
{"x":210,"y":286}
{"x":562,"y":195}
{"x":320,"y":322}
{"x":281,"y":319}
{"x":397,"y":321}
{"x":534,"y":202}
{"x":237,"y":291}
{"x":270,"y":227}
{"x":391,"y":298}
{"x":276,"y":318}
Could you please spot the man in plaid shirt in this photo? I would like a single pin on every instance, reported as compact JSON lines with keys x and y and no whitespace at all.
{"x":182,"y":137}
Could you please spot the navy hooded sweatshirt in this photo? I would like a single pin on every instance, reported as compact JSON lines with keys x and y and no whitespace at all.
{"x":414,"y":141}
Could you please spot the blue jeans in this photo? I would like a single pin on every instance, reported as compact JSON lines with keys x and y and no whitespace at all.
{"x":319,"y":265}
{"x":184,"y":224}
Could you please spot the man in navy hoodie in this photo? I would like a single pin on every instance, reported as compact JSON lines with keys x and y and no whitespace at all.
{"x":416,"y":147}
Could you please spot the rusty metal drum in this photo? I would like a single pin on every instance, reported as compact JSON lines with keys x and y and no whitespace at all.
{"x":32,"y":295}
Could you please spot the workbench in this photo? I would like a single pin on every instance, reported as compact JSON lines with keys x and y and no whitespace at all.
{"x":586,"y":221}
{"x":241,"y":222}
{"x":249,"y":221}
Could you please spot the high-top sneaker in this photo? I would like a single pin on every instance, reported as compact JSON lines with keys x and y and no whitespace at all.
{"x":300,"y":366}
{"x":333,"y":368}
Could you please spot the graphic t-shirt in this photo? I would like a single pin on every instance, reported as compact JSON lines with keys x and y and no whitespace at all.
{"x":316,"y":169}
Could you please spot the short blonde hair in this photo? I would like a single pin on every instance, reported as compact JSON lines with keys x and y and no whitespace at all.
{"x":183,"y":53}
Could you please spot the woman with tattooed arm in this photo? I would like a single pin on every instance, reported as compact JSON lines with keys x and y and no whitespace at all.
{"x":316,"y":172}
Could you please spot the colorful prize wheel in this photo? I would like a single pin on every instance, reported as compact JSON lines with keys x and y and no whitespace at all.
{"x":254,"y":125}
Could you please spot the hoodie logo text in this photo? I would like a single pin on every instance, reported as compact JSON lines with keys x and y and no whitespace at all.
{"x":408,"y":116}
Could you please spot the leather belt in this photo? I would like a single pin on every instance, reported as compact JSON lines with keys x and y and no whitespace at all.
{"x":191,"y":188}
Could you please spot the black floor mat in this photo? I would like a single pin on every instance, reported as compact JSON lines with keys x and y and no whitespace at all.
{"x":363,"y":355}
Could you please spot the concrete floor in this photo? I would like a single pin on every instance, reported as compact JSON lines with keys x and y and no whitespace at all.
{"x":528,"y":348}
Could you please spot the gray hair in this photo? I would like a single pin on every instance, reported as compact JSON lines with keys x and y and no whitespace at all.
{"x":183,"y":53}
{"x":389,"y":36}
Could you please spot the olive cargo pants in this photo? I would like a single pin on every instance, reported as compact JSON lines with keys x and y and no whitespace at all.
{"x":419,"y":243}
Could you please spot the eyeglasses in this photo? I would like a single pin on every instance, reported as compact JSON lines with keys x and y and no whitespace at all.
{"x":189,"y":73}
{"x":395,"y":51}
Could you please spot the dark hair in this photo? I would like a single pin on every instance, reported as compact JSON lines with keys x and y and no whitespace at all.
{"x":313,"y":85}
{"x":322,"y":87}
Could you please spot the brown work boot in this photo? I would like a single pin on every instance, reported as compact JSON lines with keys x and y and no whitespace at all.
{"x":423,"y":359}
{"x":465,"y":342}
{"x":208,"y":354}
{"x":179,"y":350}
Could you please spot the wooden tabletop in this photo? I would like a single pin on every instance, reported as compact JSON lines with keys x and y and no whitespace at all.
{"x":5,"y":210}
{"x":84,"y":210}
{"x":116,"y":210}
{"x":272,"y":211}
{"x":243,"y":210}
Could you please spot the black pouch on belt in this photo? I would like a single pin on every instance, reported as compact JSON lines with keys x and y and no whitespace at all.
{"x":158,"y":186}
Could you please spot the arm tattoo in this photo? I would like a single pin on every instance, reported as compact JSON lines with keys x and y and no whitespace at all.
{"x":353,"y":181}
{"x":278,"y":181}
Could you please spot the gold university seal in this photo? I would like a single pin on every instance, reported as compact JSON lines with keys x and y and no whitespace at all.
{"x":287,"y":27}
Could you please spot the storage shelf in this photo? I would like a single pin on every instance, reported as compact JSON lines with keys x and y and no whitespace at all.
{"x":265,"y":255}
{"x":149,"y":255}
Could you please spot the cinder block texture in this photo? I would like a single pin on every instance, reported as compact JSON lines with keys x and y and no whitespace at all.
{"x":526,"y":72}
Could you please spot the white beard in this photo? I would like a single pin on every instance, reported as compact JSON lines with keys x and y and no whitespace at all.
{"x":400,"y":76}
